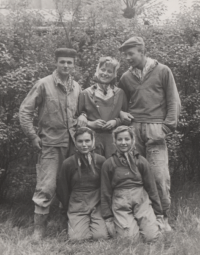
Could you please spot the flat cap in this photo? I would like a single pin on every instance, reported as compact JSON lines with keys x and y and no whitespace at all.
{"x":132,"y":42}
{"x":65,"y":52}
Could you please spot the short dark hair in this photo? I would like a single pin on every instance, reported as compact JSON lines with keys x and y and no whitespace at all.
{"x":83,"y":130}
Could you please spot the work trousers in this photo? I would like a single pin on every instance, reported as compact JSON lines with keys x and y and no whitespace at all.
{"x":104,"y":144}
{"x":150,"y":143}
{"x":84,"y":216}
{"x":133,"y":214}
{"x":50,"y":160}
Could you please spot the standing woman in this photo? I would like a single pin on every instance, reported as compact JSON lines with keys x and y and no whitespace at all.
{"x":102,"y":103}
{"x":78,"y":189}
{"x":129,"y":197}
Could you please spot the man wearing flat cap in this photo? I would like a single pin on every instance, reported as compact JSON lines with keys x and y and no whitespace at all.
{"x":56,"y":97}
{"x":154,"y":107}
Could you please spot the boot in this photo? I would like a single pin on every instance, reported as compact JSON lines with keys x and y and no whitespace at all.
{"x":167,"y":226}
{"x":63,"y":222}
{"x":40,"y":224}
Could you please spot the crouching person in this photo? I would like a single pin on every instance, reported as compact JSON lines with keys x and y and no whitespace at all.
{"x":78,"y":189}
{"x":129,"y":197}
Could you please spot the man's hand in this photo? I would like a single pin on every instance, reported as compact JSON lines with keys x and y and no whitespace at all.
{"x":97,"y":124}
{"x":110,"y":124}
{"x":126,"y":117}
{"x":37,"y":143}
{"x":82,"y":121}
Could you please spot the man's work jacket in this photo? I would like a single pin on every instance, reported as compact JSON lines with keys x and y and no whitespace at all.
{"x":57,"y":106}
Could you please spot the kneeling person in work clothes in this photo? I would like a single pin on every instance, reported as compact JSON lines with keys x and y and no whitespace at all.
{"x":130,"y":203}
{"x":78,"y":189}
{"x":153,"y":108}
{"x":56,"y":97}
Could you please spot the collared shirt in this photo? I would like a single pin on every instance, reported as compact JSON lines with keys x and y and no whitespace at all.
{"x":105,"y":94}
{"x":57,"y":107}
{"x":150,"y":63}
{"x":68,"y":86}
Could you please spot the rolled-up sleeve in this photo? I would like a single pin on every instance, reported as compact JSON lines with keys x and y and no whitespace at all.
{"x":27,"y":109}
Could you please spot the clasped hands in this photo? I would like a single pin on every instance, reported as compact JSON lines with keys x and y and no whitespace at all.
{"x":125,"y":117}
{"x":102,"y":124}
{"x":97,"y":124}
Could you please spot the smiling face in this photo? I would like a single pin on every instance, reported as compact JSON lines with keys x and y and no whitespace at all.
{"x":106,"y":73}
{"x":124,"y":141}
{"x":135,"y":57}
{"x":65,"y":65}
{"x":84,"y":142}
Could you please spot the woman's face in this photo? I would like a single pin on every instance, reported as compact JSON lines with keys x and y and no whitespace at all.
{"x":124,"y":141}
{"x":106,"y":73}
{"x":84,"y":143}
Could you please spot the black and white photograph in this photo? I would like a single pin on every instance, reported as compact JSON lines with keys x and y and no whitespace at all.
{"x":99,"y":127}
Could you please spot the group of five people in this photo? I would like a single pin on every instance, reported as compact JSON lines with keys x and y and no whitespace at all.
{"x":107,"y":186}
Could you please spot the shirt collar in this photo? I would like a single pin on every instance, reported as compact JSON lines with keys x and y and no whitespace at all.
{"x":149,"y":65}
{"x":107,"y":88}
{"x":69,"y":84}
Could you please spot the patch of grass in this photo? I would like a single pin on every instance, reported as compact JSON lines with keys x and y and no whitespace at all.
{"x":16,"y":227}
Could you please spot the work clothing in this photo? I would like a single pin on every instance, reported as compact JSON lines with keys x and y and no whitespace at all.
{"x":50,"y":160}
{"x":78,"y":189}
{"x":106,"y":108}
{"x":155,"y":105}
{"x":154,"y":99}
{"x":150,"y":143}
{"x":56,"y":111}
{"x":57,"y":105}
{"x":125,"y":194}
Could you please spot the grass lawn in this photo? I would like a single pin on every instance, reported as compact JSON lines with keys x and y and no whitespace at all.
{"x":16,"y":226}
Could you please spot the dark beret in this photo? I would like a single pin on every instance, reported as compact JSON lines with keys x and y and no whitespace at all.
{"x":131,"y":42}
{"x":65,"y":52}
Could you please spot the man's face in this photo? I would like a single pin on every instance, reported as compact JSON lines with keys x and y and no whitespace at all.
{"x":134,"y":57}
{"x":65,"y":65}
